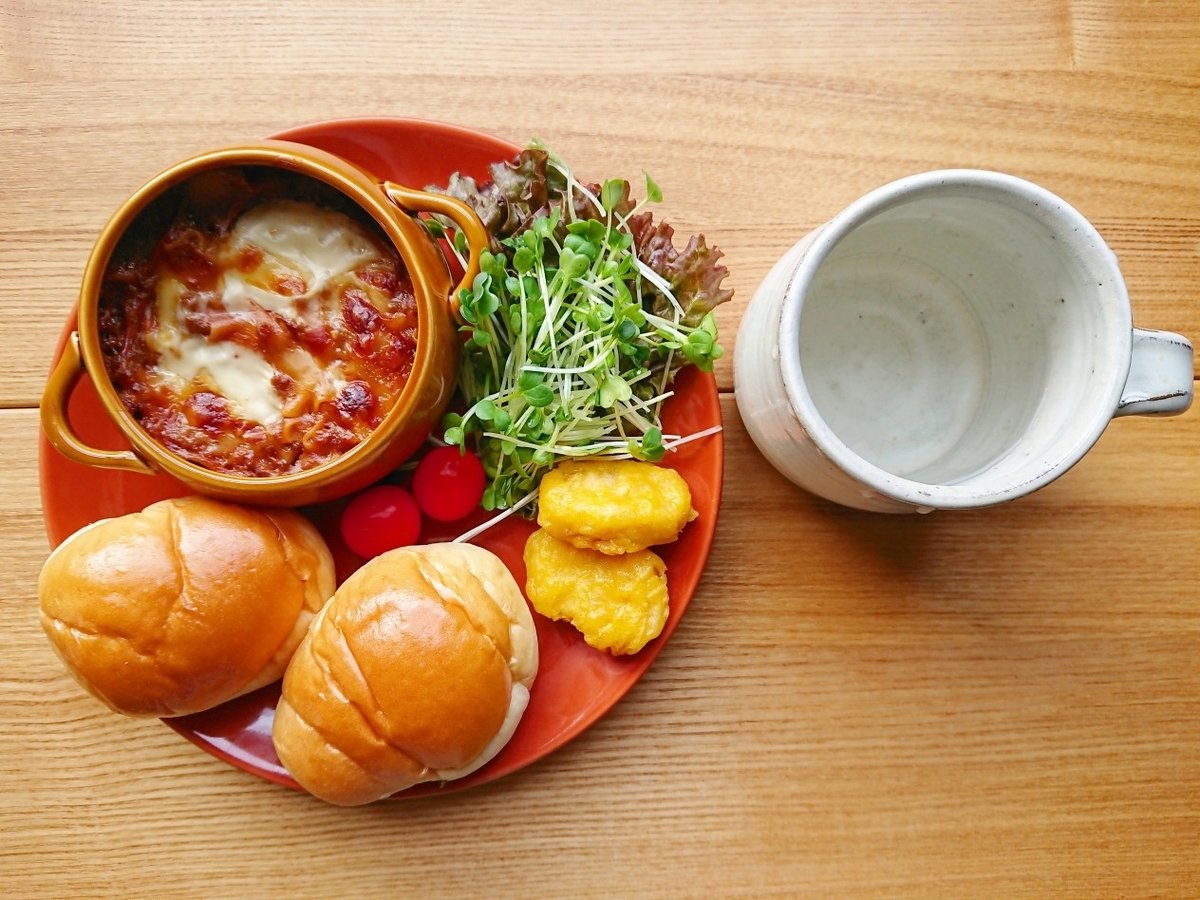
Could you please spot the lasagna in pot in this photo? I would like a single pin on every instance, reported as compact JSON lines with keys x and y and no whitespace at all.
{"x":268,"y":329}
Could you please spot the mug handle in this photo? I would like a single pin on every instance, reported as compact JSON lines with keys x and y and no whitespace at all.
{"x":57,"y":426}
{"x":412,"y":200}
{"x":1160,"y":375}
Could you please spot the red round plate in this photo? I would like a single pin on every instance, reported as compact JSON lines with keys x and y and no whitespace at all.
{"x":575,"y":684}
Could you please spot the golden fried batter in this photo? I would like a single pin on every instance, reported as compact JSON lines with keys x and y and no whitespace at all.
{"x":619,"y":603}
{"x":614,"y":506}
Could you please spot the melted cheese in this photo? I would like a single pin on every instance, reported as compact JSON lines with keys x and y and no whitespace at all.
{"x":238,"y":294}
{"x":320,"y":383}
{"x":318,"y":246}
{"x":296,"y":240}
{"x":236,"y":373}
{"x":185,"y":361}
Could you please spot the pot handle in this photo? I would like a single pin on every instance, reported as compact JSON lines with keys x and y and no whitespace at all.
{"x":57,"y":426}
{"x":412,"y":200}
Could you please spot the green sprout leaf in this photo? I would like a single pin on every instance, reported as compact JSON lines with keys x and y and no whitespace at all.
{"x":612,"y":193}
{"x":538,"y":397}
{"x":653,"y":192}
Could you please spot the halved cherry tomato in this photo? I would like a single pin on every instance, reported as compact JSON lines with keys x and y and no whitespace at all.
{"x":379,"y":519}
{"x":448,"y":483}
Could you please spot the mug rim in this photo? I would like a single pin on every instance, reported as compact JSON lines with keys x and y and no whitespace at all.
{"x":977,"y":184}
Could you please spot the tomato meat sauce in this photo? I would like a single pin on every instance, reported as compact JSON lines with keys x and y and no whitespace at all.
{"x":257,"y":322}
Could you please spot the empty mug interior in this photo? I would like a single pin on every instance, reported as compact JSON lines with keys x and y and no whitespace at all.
{"x":966,"y":336}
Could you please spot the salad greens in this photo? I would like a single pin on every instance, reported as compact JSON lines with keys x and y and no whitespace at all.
{"x":581,"y":315}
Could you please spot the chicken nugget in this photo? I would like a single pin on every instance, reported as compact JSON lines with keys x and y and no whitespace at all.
{"x":619,"y":603}
{"x":614,"y":506}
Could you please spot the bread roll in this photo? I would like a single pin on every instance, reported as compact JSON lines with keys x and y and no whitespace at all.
{"x":418,"y":669}
{"x":184,"y":605}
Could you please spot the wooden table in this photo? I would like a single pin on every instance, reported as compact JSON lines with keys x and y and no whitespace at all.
{"x":1000,"y":703}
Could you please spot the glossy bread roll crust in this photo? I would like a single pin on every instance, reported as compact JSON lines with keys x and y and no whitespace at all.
{"x":184,"y":605}
{"x":418,"y":669}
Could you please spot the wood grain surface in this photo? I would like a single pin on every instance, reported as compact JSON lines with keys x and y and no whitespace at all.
{"x":1003,"y":703}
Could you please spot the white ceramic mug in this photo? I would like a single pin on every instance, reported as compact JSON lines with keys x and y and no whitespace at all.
{"x":953,"y":339}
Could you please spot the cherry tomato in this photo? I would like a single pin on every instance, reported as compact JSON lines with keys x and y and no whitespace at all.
{"x":448,"y":483}
{"x":379,"y":519}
